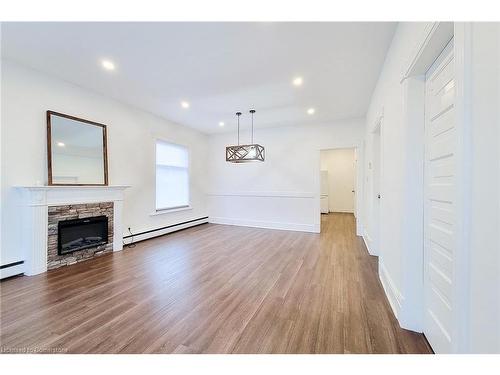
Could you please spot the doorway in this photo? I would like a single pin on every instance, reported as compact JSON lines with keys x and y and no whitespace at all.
{"x":338,"y":180}
{"x":428,"y":273}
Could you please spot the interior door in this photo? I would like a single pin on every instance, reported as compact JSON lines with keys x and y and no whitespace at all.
{"x":439,"y":202}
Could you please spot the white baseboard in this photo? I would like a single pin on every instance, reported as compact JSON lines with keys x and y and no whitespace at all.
{"x":342,"y":211}
{"x":11,"y":271}
{"x":360,"y":230}
{"x":368,"y":240}
{"x":391,"y":291}
{"x":161,"y":232}
{"x":366,"y":244}
{"x":314,"y":228}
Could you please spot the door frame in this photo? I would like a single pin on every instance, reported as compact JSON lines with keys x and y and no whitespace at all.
{"x":432,"y":42}
{"x":358,"y":175}
{"x":375,"y":239}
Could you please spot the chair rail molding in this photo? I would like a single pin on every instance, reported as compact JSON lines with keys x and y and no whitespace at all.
{"x":273,"y":194}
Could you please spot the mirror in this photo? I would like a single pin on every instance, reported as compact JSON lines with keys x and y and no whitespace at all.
{"x":76,"y":151}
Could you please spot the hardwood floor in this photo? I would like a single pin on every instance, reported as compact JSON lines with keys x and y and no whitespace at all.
{"x":212,"y":289}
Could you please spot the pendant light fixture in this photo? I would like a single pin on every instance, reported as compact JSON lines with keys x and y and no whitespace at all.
{"x":245,"y":153}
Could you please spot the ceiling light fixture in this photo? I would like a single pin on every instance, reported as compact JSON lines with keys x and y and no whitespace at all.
{"x":61,"y":144}
{"x":108,"y":65}
{"x":311,"y":111}
{"x":184,"y":104}
{"x":245,"y":153}
{"x":298,"y":81}
{"x":221,"y":124}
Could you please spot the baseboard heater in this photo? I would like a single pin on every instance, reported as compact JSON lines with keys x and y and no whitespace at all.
{"x":136,"y":237}
{"x":11,"y":269}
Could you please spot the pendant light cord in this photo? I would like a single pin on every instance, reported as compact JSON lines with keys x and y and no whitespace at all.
{"x":252,"y":111}
{"x":252,"y":127}
{"x":238,"y":114}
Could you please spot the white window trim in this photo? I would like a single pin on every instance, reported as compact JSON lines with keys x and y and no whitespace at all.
{"x":166,"y":210}
{"x":169,"y":210}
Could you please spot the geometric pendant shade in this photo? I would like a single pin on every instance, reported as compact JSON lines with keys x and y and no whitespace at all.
{"x":245,"y":153}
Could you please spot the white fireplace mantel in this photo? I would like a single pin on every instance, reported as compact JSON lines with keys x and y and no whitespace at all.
{"x":34,"y":202}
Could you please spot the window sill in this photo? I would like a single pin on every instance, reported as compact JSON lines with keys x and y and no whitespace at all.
{"x":170,"y":210}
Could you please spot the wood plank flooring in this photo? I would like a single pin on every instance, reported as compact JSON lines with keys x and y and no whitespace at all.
{"x":211,"y":289}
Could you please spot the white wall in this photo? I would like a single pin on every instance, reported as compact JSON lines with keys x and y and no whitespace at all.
{"x":2,"y":157}
{"x":387,"y":101}
{"x":27,"y":95}
{"x":340,"y":164}
{"x":484,"y":248}
{"x":283,"y":191}
{"x":398,"y":182}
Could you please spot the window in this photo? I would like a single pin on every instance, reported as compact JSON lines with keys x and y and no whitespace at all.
{"x":172,"y":176}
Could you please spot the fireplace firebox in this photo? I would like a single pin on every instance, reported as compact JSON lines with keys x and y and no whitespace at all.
{"x":78,"y":234}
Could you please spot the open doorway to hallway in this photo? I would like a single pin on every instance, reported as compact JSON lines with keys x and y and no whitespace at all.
{"x":338,"y":180}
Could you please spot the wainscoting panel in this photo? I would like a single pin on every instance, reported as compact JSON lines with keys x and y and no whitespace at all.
{"x":297,"y":211}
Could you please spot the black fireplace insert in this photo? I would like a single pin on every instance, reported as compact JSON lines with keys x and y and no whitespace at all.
{"x":78,"y":234}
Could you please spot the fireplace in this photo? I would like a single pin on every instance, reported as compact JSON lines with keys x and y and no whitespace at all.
{"x":79,"y":234}
{"x":43,"y":207}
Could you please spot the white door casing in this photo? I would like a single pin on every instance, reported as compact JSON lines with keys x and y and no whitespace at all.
{"x":440,"y":202}
{"x":339,"y":170}
{"x":376,"y":187}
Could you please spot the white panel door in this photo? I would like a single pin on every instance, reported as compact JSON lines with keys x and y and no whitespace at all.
{"x":439,"y":202}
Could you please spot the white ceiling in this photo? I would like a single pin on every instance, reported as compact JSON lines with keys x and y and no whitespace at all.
{"x":218,"y":68}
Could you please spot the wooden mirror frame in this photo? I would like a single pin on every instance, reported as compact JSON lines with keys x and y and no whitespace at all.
{"x":49,"y":148}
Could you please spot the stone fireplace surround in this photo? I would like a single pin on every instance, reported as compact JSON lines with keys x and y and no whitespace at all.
{"x":76,"y":211}
{"x":37,"y":203}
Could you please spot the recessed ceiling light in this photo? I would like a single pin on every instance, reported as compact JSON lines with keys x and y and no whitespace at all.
{"x":108,"y":65}
{"x":311,"y":111}
{"x":221,"y":124}
{"x":184,"y":104}
{"x":298,"y":81}
{"x":61,"y":144}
